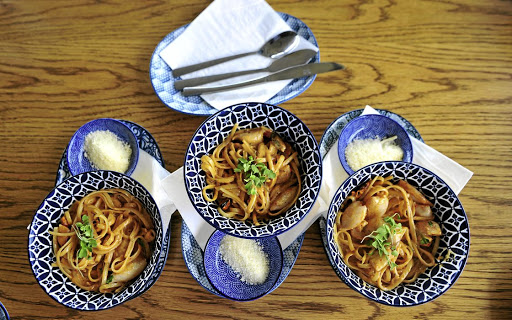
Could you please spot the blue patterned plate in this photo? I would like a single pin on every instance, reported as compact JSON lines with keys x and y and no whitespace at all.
{"x":228,"y":282}
{"x":453,"y":248}
{"x":193,"y":256}
{"x":147,"y":143}
{"x":40,"y":251}
{"x":163,"y":81}
{"x":252,"y":115}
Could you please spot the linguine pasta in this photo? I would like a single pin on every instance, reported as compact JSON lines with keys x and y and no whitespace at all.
{"x":386,"y":232}
{"x":252,"y":175}
{"x":104,"y":240}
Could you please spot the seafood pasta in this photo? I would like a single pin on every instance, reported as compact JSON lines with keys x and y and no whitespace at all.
{"x":252,"y":175}
{"x":386,"y":232}
{"x":104,"y":240}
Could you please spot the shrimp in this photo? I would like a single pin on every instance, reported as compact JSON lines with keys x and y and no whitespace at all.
{"x":377,"y":206}
{"x":425,"y":230}
{"x":284,"y":174}
{"x":131,"y":271}
{"x":283,"y":199}
{"x":251,"y":136}
{"x":428,"y":228}
{"x":353,"y":215}
{"x":424,"y":211}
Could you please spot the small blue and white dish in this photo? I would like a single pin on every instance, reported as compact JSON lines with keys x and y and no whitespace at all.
{"x":227,"y":281}
{"x":373,"y":126}
{"x":252,"y":115}
{"x":40,"y":250}
{"x":76,"y":159}
{"x":163,"y":81}
{"x":453,"y":248}
{"x":193,"y":256}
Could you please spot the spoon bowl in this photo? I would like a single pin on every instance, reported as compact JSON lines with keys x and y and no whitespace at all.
{"x":280,"y":45}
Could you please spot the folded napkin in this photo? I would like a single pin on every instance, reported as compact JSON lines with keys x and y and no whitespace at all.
{"x":174,"y":185}
{"x":455,"y":175}
{"x":170,"y":192}
{"x":226,"y":28}
{"x":150,"y":174}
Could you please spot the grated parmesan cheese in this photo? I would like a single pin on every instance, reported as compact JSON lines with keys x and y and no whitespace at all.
{"x":106,"y":151}
{"x":246,"y":257}
{"x":360,"y":153}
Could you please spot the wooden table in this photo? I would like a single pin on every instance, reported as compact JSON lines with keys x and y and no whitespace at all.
{"x":446,"y":66}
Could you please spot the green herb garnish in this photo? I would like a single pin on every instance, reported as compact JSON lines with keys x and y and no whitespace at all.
{"x":424,"y":241}
{"x":255,"y":174}
{"x":110,"y":278}
{"x":84,"y":233}
{"x":381,"y":239}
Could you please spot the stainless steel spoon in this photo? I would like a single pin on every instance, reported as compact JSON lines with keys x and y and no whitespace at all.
{"x":293,"y":59}
{"x":274,"y":48}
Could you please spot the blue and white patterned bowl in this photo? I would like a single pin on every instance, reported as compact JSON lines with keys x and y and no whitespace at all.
{"x":78,"y":162}
{"x":453,"y":248}
{"x":251,"y":115}
{"x":227,"y":281}
{"x":369,"y":127}
{"x":40,"y":251}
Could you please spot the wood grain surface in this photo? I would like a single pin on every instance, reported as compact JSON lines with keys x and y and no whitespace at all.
{"x":445,"y":65}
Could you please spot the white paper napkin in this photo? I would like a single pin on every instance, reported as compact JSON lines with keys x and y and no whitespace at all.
{"x":174,"y":185}
{"x":150,"y":174}
{"x":225,"y":28}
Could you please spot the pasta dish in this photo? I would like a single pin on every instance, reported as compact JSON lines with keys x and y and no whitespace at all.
{"x":386,"y":232}
{"x":252,"y":175}
{"x":104,"y":240}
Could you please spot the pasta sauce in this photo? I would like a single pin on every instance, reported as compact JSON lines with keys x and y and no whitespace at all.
{"x":252,"y":175}
{"x":104,"y":240}
{"x":386,"y":232}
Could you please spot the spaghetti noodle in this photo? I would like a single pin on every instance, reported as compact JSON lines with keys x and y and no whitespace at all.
{"x":386,"y":232}
{"x":252,"y":175}
{"x":104,"y":240}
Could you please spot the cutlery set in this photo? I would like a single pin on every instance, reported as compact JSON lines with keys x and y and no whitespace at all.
{"x":286,"y":66}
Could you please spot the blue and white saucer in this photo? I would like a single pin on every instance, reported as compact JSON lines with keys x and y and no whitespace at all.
{"x":163,"y":80}
{"x":193,"y":255}
{"x":147,"y":143}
